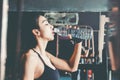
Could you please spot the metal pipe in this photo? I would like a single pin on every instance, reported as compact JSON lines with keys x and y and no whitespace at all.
{"x":4,"y":37}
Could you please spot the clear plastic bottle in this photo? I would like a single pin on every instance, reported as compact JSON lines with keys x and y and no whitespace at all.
{"x":82,"y":32}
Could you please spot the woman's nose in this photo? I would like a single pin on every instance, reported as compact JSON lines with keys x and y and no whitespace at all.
{"x":51,"y":26}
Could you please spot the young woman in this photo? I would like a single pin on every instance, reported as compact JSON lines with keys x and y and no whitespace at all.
{"x":42,"y":65}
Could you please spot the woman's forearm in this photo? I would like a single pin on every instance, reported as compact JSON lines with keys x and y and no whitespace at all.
{"x":75,"y":58}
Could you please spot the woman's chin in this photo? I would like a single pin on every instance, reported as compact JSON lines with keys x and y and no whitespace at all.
{"x":51,"y":39}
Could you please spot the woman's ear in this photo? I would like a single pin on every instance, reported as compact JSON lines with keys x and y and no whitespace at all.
{"x":36,"y":32}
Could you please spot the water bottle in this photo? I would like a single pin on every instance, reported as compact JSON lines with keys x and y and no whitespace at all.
{"x":80,"y":32}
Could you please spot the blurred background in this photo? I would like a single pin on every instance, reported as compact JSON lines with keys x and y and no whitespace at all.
{"x":100,"y":54}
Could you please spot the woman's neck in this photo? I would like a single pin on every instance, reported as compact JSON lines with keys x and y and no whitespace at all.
{"x":41,"y":46}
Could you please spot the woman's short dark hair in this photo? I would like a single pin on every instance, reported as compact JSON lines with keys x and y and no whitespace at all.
{"x":37,"y":19}
{"x":30,"y":22}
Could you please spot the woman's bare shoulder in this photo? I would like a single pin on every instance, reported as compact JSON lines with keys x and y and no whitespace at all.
{"x":29,"y":56}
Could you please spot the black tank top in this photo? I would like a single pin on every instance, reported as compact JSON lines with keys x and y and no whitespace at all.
{"x":49,"y":73}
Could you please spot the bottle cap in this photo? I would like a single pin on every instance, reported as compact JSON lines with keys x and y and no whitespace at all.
{"x":56,"y":30}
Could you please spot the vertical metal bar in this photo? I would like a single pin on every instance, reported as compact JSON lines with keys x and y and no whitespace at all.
{"x":57,"y":46}
{"x":20,"y":7}
{"x":93,"y":46}
{"x":4,"y":37}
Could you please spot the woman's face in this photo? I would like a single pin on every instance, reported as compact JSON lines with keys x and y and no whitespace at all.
{"x":46,"y":29}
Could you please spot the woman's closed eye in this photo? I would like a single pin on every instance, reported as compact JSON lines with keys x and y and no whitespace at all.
{"x":46,"y":23}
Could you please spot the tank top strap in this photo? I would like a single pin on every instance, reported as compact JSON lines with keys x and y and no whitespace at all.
{"x":39,"y":56}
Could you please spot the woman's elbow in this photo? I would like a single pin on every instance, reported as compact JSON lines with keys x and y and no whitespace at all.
{"x":73,"y":69}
